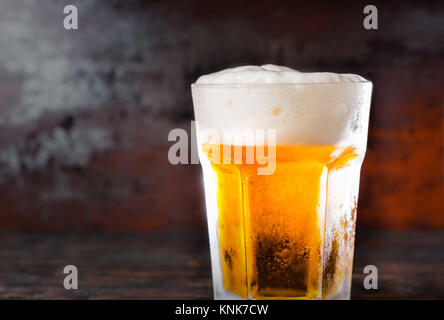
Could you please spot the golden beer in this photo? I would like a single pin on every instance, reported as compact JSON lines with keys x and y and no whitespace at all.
{"x":271,"y":245}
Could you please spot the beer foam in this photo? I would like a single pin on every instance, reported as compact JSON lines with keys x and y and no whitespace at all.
{"x":270,"y":73}
{"x":305,"y":108}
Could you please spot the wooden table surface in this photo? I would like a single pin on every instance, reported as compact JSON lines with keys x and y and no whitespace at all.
{"x":175,"y":265}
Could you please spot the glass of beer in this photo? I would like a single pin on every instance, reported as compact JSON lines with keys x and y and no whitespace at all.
{"x":281,"y":153}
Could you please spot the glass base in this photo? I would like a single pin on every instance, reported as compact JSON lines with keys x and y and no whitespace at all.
{"x":343,"y":293}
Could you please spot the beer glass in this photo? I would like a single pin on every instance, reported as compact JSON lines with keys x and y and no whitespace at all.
{"x":287,"y":233}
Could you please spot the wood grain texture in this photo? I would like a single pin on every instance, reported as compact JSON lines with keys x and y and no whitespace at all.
{"x":176,"y":265}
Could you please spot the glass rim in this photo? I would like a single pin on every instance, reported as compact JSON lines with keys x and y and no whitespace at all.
{"x":284,"y":84}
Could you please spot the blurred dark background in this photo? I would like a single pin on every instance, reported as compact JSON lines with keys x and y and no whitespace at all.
{"x":85,"y":114}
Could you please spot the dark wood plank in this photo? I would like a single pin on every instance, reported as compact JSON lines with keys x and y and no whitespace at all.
{"x":175,"y":265}
{"x":410,"y":265}
{"x":170,"y":265}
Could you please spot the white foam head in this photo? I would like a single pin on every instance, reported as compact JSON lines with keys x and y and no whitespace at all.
{"x":317,"y":108}
{"x":270,"y":73}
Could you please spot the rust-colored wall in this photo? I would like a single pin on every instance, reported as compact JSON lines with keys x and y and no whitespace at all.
{"x":84,"y":115}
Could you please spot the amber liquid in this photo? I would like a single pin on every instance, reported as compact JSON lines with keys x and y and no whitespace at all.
{"x":272,"y":227}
